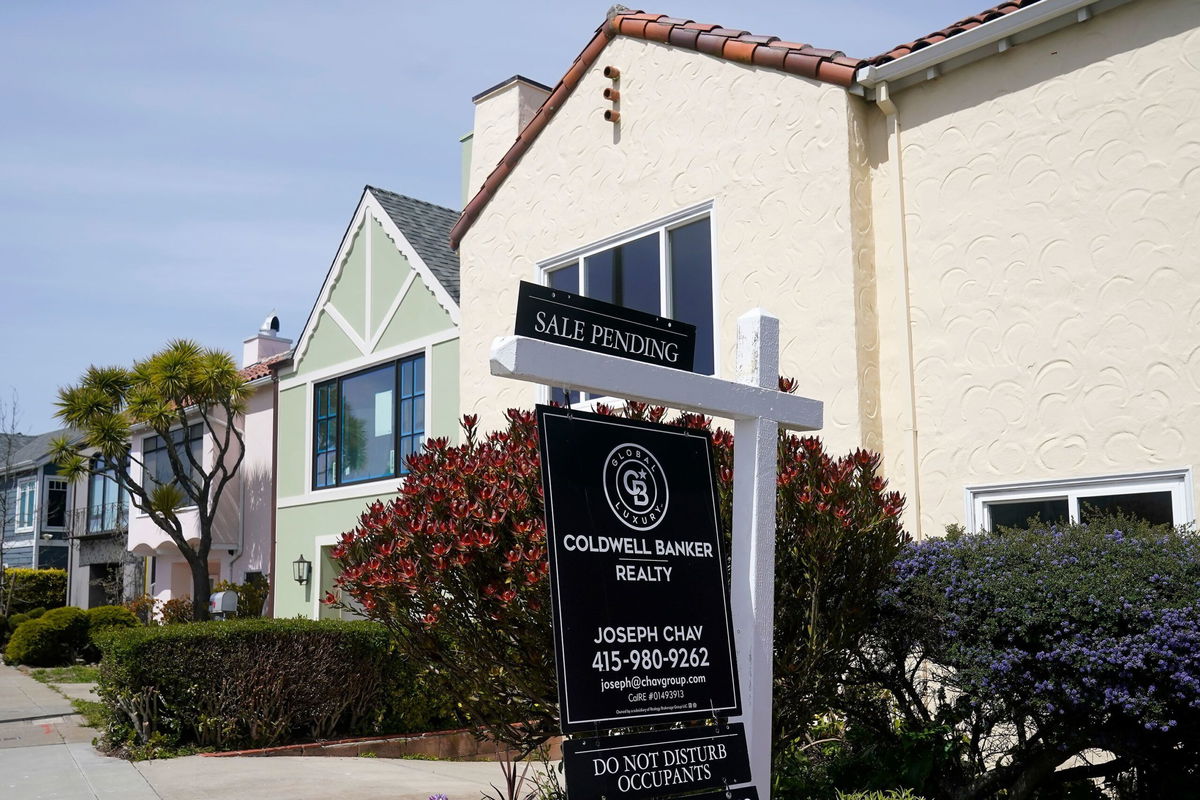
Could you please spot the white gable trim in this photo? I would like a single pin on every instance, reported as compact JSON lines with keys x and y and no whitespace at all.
{"x":335,"y":270}
{"x":393,"y":308}
{"x":369,"y":208}
{"x":347,"y":328}
{"x":414,"y":259}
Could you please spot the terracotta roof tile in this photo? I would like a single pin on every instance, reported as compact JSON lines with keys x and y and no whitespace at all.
{"x":830,"y":66}
{"x":262,"y":369}
{"x":963,"y":25}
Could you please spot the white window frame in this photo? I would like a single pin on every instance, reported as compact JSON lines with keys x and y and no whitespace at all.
{"x":26,"y":485}
{"x":66,"y":488}
{"x":661,"y":226}
{"x":1177,"y":481}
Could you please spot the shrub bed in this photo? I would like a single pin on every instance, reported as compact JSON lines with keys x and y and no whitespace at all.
{"x":254,"y":683}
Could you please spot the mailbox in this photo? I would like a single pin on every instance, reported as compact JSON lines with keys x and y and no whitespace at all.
{"x":222,"y":605}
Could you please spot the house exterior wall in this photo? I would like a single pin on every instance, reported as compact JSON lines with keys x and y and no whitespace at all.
{"x":241,"y":536}
{"x":1050,"y":216}
{"x":769,"y":150}
{"x":25,"y":547}
{"x":375,"y":308}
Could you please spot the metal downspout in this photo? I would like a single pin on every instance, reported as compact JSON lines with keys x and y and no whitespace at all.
{"x":883,"y":99}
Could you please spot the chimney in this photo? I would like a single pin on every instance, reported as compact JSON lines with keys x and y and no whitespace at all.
{"x":501,"y":113}
{"x":266,"y":343}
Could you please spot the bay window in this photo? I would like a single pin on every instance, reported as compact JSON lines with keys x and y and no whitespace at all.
{"x":367,"y":424}
{"x":106,"y":499}
{"x":157,"y":458}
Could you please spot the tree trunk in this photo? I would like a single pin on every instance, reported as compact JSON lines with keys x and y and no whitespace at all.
{"x":199,"y":587}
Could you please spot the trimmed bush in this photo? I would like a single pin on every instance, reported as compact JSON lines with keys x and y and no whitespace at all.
{"x":16,"y":620}
{"x":36,"y":643}
{"x":36,"y":613}
{"x":4,"y":629}
{"x":249,"y":683}
{"x":52,"y":639}
{"x":102,"y":617}
{"x":35,"y":588}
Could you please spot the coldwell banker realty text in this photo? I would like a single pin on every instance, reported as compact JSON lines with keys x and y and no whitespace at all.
{"x":641,"y":612}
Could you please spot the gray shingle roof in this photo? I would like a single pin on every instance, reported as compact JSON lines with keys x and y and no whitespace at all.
{"x":32,"y":450}
{"x":427,"y":228}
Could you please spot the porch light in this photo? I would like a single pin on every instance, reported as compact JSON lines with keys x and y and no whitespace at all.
{"x":301,"y":570}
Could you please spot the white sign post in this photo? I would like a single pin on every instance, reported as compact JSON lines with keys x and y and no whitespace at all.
{"x":758,"y":409}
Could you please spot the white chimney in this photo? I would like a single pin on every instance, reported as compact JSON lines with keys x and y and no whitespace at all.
{"x":266,"y":343}
{"x":501,"y":113}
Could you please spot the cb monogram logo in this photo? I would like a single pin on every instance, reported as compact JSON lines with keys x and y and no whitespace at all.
{"x":635,"y":486}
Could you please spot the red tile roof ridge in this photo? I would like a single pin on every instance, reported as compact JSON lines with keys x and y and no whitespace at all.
{"x":963,"y":25}
{"x":261,"y":369}
{"x":827,"y":66}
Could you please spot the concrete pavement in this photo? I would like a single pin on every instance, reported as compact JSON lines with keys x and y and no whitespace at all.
{"x":46,"y":754}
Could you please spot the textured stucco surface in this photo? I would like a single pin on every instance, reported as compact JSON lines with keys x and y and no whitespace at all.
{"x":769,"y":149}
{"x":1050,"y":205}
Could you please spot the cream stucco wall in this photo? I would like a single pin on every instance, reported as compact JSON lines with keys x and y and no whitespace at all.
{"x":769,"y":150}
{"x":1049,"y":209}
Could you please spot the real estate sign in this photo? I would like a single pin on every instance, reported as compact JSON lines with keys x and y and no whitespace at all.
{"x":656,"y":764}
{"x":554,"y":315}
{"x":641,"y":606}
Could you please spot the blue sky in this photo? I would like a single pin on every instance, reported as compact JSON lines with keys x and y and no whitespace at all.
{"x":179,"y":170}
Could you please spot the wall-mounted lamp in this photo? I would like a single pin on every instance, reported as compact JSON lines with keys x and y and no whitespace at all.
{"x":302,"y":570}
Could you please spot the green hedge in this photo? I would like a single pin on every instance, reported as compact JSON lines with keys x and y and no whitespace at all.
{"x":35,"y":588}
{"x":256,"y":683}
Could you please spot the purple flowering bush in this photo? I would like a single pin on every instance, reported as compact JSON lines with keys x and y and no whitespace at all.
{"x":1028,"y":648}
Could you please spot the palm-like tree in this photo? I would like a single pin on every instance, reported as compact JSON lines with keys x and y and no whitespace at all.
{"x":181,"y":385}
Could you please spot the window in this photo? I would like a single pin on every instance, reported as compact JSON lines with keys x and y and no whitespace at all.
{"x":56,"y":503}
{"x":156,"y":454}
{"x":1156,"y":497}
{"x":366,"y":425}
{"x":106,"y":499}
{"x":666,"y":270}
{"x":26,"y":503}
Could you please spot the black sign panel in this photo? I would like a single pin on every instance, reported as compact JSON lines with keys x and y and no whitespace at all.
{"x":641,"y":606}
{"x":560,"y":317}
{"x":656,"y":764}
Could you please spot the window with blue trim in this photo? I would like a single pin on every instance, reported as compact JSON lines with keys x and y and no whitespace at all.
{"x":367,"y":424}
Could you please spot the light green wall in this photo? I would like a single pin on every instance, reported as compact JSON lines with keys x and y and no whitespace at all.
{"x":350,"y":286}
{"x":418,"y":316}
{"x":293,"y":432}
{"x":389,"y":271}
{"x":443,"y":408}
{"x":297,"y":528}
{"x":329,"y":345}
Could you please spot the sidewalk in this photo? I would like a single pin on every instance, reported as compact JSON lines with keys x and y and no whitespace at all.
{"x":45,"y":754}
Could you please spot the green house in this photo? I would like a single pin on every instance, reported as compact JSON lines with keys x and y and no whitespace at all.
{"x":375,"y":373}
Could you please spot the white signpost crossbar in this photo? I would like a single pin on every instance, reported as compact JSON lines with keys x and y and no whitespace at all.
{"x":758,"y":410}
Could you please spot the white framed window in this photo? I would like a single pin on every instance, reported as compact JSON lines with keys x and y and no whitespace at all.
{"x":26,"y":503}
{"x":56,"y":503}
{"x":1163,"y":496}
{"x":664,"y":267}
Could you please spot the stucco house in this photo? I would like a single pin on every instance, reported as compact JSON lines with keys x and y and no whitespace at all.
{"x":981,"y":244}
{"x":374,"y":374}
{"x":242,"y":536}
